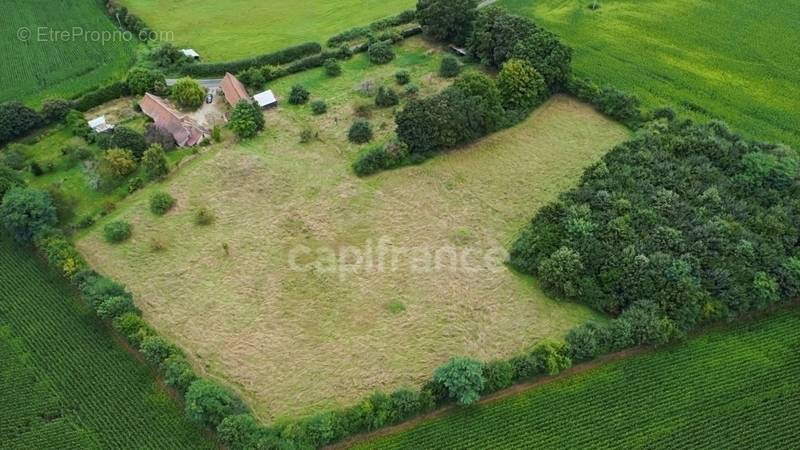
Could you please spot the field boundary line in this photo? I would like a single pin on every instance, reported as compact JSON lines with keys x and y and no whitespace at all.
{"x":543,"y":380}
{"x":494,"y":397}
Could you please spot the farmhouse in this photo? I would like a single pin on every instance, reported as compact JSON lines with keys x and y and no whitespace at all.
{"x":233,"y":89}
{"x":266,"y":99}
{"x":184,"y":129}
{"x":99,"y":125}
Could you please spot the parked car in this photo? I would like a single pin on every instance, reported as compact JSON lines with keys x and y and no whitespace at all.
{"x":210,"y":98}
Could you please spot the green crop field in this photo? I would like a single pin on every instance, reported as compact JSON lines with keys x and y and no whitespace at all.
{"x":732,"y":388}
{"x":37,"y":65}
{"x":736,"y":60}
{"x":230,"y":29}
{"x":64,"y":382}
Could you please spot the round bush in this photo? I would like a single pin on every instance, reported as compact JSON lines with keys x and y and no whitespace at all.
{"x":520,"y":84}
{"x":298,"y":95}
{"x":319,"y":107}
{"x":118,"y":231}
{"x":386,"y":97}
{"x":156,"y":349}
{"x":160,"y":203}
{"x":203,"y":216}
{"x":380,"y":53}
{"x":332,"y":67}
{"x":178,"y":373}
{"x":463,"y":378}
{"x":402,"y":77}
{"x":411,"y":89}
{"x":188,"y":93}
{"x":450,"y":67}
{"x":360,"y":132}
{"x":208,"y":403}
{"x":27,"y":212}
{"x":246,"y":120}
{"x":116,"y":306}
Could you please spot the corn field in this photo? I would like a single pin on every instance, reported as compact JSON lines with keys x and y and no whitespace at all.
{"x":733,"y":388}
{"x":58,"y":49}
{"x":64,"y":382}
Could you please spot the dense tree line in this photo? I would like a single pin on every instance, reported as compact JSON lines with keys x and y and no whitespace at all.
{"x":499,"y":36}
{"x":284,"y":56}
{"x":454,"y":117}
{"x":682,"y":225}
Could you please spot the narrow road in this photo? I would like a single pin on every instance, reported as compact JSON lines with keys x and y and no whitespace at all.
{"x":209,"y":83}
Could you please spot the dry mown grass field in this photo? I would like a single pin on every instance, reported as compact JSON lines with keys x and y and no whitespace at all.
{"x":293,"y":340}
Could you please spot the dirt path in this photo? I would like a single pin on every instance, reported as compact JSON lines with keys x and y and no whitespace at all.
{"x":513,"y":390}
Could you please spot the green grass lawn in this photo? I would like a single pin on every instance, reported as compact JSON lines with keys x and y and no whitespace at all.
{"x":730,"y":388}
{"x":736,"y":60}
{"x":77,"y":180}
{"x":65,"y":382}
{"x":231,"y":29}
{"x":45,"y":66}
{"x":292,"y":341}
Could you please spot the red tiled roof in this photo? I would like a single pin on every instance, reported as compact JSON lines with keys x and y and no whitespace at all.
{"x":234,"y":89}
{"x":185,"y":130}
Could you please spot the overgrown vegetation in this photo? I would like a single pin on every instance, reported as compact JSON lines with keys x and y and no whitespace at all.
{"x":533,"y":63}
{"x":683,"y":225}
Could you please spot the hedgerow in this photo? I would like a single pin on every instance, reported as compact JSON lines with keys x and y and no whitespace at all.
{"x":284,"y":56}
{"x":382,"y":24}
{"x":16,"y":120}
{"x":611,"y":101}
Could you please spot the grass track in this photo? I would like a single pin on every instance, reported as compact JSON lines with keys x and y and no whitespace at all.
{"x":222,"y":30}
{"x":63,"y":382}
{"x":737,"y":60}
{"x":731,"y":388}
{"x":52,"y":66}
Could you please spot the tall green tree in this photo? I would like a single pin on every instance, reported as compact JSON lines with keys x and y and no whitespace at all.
{"x":246,"y":120}
{"x":463,"y":378}
{"x":141,"y":80}
{"x":520,"y":85}
{"x":188,"y":94}
{"x":154,"y":162}
{"x":447,"y":20}
{"x":27,"y":213}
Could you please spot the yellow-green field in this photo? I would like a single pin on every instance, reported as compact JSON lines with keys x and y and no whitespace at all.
{"x":291,"y":339}
{"x":231,"y":29}
{"x":737,"y":60}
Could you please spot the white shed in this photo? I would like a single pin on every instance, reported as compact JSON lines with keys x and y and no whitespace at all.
{"x":265,"y":99}
{"x":100,"y":125}
{"x":190,"y":53}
